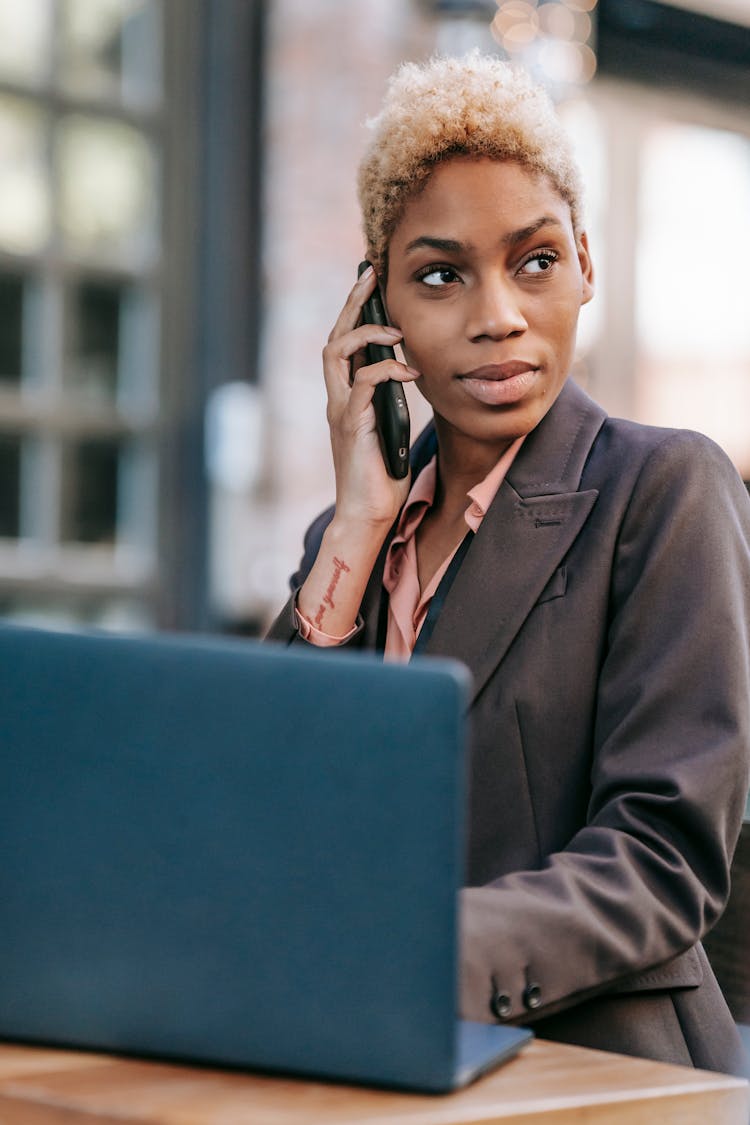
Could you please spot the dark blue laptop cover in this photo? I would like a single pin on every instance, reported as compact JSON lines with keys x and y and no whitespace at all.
{"x":234,"y":854}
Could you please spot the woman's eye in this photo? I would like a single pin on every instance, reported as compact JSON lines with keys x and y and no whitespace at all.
{"x":539,"y":263}
{"x":438,"y":275}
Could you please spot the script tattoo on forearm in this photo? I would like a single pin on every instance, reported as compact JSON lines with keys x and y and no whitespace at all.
{"x":339,"y":567}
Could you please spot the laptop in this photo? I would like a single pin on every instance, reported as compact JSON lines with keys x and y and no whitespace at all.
{"x":234,"y":854}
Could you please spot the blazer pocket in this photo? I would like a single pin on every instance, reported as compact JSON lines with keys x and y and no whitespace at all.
{"x":683,"y":971}
{"x":556,"y":586}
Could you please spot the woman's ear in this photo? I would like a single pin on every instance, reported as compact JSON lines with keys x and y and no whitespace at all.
{"x":587,"y":268}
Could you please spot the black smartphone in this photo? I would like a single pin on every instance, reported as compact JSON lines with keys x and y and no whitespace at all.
{"x":389,"y":400}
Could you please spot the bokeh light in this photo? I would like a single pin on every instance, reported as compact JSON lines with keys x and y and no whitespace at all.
{"x":552,"y":38}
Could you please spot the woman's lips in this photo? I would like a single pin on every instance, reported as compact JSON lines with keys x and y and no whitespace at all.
{"x":499,"y":384}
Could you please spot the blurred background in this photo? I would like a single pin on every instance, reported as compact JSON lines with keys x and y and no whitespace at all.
{"x":179,"y":229}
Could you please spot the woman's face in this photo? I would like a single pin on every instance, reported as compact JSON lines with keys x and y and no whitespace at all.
{"x":486,"y":282}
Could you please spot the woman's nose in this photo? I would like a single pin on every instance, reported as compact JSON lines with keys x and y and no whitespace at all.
{"x":495,"y":311}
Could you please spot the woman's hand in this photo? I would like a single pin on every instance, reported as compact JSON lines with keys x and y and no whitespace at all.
{"x":366,"y":496}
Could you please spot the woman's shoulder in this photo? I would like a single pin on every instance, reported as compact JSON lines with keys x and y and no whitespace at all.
{"x":641,"y":436}
{"x":652,"y":476}
{"x":631,"y":449}
{"x":653,"y":481}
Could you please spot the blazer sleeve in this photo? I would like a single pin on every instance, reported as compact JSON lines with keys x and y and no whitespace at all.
{"x":648,"y":873}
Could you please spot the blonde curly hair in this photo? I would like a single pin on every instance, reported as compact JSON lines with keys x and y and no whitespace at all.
{"x":474,"y":106}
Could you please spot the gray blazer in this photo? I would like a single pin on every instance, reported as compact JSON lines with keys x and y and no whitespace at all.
{"x":603,"y":611}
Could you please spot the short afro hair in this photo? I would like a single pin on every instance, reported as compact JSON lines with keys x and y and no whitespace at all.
{"x":476,"y":106}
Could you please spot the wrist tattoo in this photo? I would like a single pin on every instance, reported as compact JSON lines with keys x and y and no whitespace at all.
{"x":339,"y":567}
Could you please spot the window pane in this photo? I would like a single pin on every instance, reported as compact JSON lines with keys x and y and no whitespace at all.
{"x":112,"y":335}
{"x":11,"y":327}
{"x":90,"y":491}
{"x":24,"y":190}
{"x":139,"y":349}
{"x":693,"y":328}
{"x":10,"y":486}
{"x":95,"y":339}
{"x":25,"y":38}
{"x":111,"y":48}
{"x":108,"y":189}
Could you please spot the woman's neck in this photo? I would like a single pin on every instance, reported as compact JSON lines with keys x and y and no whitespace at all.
{"x":462,"y":464}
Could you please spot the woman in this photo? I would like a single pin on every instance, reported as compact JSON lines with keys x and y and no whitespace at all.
{"x":593,"y":574}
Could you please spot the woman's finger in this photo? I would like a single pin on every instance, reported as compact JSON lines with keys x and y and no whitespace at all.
{"x":339,"y":351}
{"x":367,"y":378}
{"x":358,"y":339}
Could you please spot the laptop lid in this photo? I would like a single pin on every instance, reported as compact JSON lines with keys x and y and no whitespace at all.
{"x":232,"y":853}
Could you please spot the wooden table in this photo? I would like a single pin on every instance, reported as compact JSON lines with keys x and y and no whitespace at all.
{"x":547,"y":1082}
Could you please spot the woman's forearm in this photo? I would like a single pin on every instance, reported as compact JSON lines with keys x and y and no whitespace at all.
{"x":332,"y":592}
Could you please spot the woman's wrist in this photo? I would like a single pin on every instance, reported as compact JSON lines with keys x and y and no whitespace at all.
{"x":361,"y":536}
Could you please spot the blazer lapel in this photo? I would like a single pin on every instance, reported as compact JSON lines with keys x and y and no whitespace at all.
{"x":531,"y":525}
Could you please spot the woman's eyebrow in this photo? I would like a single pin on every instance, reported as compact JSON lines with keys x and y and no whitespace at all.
{"x":453,"y":246}
{"x":448,"y":245}
{"x":523,"y":233}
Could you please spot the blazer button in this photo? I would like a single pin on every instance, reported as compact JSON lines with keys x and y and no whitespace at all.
{"x":501,"y":1005}
{"x":532,"y":996}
